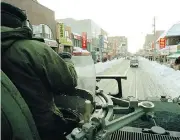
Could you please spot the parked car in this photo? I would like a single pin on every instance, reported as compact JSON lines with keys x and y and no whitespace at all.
{"x":134,"y":63}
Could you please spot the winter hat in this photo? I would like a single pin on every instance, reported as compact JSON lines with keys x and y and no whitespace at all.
{"x":11,"y":16}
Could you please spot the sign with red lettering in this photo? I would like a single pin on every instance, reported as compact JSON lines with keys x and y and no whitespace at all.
{"x":162,"y":43}
{"x":153,"y":45}
{"x":84,"y":40}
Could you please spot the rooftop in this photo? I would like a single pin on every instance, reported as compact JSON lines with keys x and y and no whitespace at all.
{"x":172,"y":31}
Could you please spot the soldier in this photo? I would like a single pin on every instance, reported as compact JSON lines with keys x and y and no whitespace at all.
{"x":36,"y":70}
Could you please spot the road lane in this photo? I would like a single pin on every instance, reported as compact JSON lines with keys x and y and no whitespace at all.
{"x":119,"y":69}
{"x":139,"y":83}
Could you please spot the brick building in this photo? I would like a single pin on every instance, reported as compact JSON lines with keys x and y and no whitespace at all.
{"x":37,"y":13}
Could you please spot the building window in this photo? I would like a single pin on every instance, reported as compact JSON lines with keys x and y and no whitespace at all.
{"x":173,"y":41}
{"x":37,"y":29}
{"x":80,"y":43}
{"x":75,"y":42}
{"x":67,"y":34}
{"x":42,"y":31}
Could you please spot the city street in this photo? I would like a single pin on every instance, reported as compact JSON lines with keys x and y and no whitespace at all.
{"x":139,"y":83}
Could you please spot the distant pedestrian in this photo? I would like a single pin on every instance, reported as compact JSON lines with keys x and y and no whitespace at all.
{"x":98,"y":60}
{"x":161,"y":60}
{"x":177,"y":63}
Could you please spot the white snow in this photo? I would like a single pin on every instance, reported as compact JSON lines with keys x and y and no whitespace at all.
{"x":101,"y":67}
{"x":80,"y":61}
{"x":86,"y":70}
{"x":165,"y":77}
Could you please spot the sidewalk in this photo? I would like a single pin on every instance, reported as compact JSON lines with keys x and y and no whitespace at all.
{"x":165,"y":76}
{"x":165,"y":64}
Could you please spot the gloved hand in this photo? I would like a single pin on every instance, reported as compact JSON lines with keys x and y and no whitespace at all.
{"x":72,"y":118}
{"x":65,"y":55}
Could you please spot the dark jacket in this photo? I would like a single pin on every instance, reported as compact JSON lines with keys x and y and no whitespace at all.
{"x":177,"y":61}
{"x":37,"y":71}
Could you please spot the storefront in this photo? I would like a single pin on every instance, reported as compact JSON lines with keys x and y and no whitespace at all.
{"x":43,"y":31}
{"x":52,"y":43}
{"x":66,"y":44}
{"x":172,"y":39}
{"x":105,"y":49}
{"x":77,"y":41}
{"x":64,"y":37}
{"x":105,"y":43}
{"x":175,"y":54}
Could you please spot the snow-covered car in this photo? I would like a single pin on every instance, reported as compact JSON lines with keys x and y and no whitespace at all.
{"x":134,"y":63}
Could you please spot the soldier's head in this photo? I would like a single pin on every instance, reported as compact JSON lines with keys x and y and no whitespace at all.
{"x":12,"y":16}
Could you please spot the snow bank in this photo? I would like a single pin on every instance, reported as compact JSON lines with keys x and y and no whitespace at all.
{"x":86,"y":70}
{"x":167,"y":78}
{"x":101,"y":67}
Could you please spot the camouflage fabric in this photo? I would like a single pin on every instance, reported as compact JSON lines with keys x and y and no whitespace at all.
{"x":38,"y":72}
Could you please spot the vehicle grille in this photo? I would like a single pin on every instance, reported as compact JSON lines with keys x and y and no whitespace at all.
{"x":123,"y":135}
{"x":166,"y":120}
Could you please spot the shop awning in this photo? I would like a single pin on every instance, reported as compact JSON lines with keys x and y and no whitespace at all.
{"x":175,"y":55}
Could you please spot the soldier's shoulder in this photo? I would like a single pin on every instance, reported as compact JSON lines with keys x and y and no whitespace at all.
{"x":32,"y":48}
{"x":32,"y":45}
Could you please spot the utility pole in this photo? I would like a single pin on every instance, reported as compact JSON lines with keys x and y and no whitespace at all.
{"x":154,"y":31}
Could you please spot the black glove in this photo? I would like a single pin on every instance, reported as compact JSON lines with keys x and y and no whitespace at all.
{"x":65,"y":55}
{"x":72,"y":118}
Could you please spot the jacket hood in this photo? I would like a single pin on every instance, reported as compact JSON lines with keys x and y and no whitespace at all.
{"x":6,"y":43}
{"x":10,"y":35}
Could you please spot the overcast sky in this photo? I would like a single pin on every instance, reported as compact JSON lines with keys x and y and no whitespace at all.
{"x":132,"y":18}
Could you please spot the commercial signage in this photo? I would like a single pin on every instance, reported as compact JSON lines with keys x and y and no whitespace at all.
{"x":162,"y":43}
{"x":62,"y":39}
{"x":62,"y":33}
{"x":101,"y":41}
{"x":66,"y":42}
{"x":67,"y":30}
{"x":77,"y":37}
{"x":84,"y":40}
{"x":153,"y":45}
{"x":173,"y":48}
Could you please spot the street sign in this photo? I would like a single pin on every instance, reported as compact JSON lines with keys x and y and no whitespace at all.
{"x":162,"y":43}
{"x":84,"y":40}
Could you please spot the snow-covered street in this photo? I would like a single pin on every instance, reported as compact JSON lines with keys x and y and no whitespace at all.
{"x":150,"y":79}
{"x":101,"y":67}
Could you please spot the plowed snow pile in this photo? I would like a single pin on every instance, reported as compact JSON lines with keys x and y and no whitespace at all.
{"x":165,"y":77}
